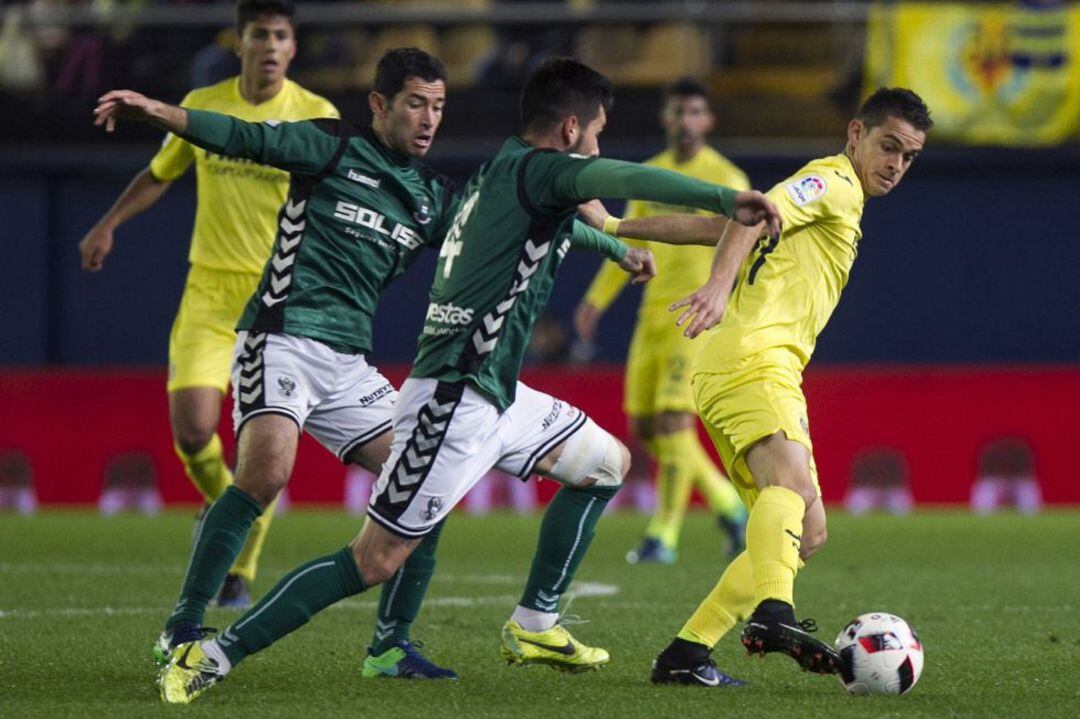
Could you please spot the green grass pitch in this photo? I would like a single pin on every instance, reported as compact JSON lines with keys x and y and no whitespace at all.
{"x":995,"y":600}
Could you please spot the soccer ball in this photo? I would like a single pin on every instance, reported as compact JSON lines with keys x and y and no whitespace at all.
{"x":879,"y":654}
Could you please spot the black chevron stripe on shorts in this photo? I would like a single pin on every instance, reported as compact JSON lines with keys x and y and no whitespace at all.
{"x":418,"y":456}
{"x":250,"y":387}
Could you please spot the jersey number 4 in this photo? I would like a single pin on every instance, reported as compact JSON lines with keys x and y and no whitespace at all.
{"x":452,"y":245}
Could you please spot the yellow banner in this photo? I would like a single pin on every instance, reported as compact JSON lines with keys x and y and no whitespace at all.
{"x":992,"y":73}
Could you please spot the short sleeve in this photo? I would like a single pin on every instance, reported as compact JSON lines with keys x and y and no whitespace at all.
{"x":174,"y":156}
{"x":808,"y":196}
{"x":327,"y":109}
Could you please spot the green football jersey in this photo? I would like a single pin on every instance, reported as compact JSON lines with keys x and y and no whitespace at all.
{"x":514,"y":225}
{"x":357,"y":215}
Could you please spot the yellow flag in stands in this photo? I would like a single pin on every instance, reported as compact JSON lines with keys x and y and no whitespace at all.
{"x":1005,"y":73}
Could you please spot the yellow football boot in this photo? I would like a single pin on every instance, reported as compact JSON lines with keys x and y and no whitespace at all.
{"x":189,"y":673}
{"x":554,"y":647}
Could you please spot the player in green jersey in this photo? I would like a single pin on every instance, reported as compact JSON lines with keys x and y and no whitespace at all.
{"x":463,"y":410}
{"x":359,"y":211}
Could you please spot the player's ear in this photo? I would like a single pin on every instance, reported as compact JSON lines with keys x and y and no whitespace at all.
{"x":855,"y":130}
{"x":570,"y":130}
{"x":378,"y":104}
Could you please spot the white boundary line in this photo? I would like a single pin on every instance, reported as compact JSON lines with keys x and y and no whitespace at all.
{"x":580,"y":590}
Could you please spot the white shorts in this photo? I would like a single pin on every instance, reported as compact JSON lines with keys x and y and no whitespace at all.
{"x":339,"y":399}
{"x":448,"y":436}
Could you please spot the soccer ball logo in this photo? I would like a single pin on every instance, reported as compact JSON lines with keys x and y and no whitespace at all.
{"x":880,"y":654}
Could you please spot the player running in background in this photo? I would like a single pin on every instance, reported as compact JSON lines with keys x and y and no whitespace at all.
{"x":235,"y":223}
{"x":748,"y":375}
{"x":658,"y":398}
{"x":463,"y":411}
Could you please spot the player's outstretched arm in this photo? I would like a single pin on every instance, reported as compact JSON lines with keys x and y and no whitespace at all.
{"x":128,"y":105}
{"x":602,"y":177}
{"x":707,"y":305}
{"x":302,"y":147}
{"x":143,"y":191}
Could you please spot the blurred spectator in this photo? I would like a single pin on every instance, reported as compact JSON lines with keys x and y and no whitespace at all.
{"x":879,"y":481}
{"x":550,"y":343}
{"x":216,"y":61}
{"x":16,"y":484}
{"x":21,"y":68}
{"x":130,"y":485}
{"x":518,"y":50}
{"x":1006,"y":478}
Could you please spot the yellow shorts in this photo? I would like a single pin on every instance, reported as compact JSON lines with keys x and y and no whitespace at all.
{"x":658,"y":367}
{"x":204,"y":331}
{"x":742,"y":407}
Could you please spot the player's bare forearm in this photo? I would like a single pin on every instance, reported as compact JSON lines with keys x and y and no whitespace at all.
{"x":675,"y":229}
{"x":705,"y":308}
{"x":127,"y":105}
{"x":141,"y":193}
{"x":734,"y":246}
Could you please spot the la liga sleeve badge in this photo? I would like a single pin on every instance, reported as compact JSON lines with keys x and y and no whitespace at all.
{"x":807,"y":189}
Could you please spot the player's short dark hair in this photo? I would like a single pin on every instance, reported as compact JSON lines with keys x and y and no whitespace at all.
{"x":561,"y":87}
{"x":685,"y":87}
{"x":898,"y":102}
{"x":398,"y":65}
{"x":250,"y":10}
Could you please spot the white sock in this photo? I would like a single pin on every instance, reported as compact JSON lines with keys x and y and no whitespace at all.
{"x":532,"y":620}
{"x":214,"y":651}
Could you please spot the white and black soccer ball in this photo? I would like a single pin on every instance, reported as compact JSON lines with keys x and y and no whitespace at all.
{"x":879,"y":654}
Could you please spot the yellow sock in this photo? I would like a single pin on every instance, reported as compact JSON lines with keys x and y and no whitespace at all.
{"x":247,"y":561}
{"x":675,"y":479}
{"x":719,"y":493}
{"x":773,"y":537}
{"x":207,"y":469}
{"x":730,"y":602}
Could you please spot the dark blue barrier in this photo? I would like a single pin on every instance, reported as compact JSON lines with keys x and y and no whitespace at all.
{"x":974,"y":258}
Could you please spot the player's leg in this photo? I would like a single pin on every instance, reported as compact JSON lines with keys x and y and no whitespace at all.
{"x":786,"y":514}
{"x":201,"y":348}
{"x":680,"y":455}
{"x":591,"y":465}
{"x":442,"y":445}
{"x":392,"y":652}
{"x":266,"y":452}
{"x":370,"y":559}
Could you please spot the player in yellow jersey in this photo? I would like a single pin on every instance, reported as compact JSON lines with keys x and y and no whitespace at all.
{"x":235,"y":226}
{"x":658,"y":396}
{"x":748,"y":374}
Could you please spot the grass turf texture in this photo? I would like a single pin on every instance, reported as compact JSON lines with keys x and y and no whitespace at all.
{"x":82,"y":599}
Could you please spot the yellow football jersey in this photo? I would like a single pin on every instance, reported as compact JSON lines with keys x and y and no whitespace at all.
{"x":788,"y":289}
{"x":238,"y":200}
{"x":680,"y":269}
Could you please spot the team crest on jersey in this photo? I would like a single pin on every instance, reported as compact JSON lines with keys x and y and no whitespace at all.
{"x":423,"y":215}
{"x":807,"y":189}
{"x":433,"y":506}
{"x":286,"y":385}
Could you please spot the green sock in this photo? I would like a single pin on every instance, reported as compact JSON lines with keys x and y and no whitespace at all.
{"x":565,"y":534}
{"x":220,"y":537}
{"x":403,"y":594}
{"x":300,"y":595}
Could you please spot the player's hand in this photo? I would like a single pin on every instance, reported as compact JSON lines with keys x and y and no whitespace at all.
{"x":752,"y":207}
{"x":640,"y":264}
{"x":124,"y":105}
{"x":706,"y":306}
{"x":95,"y":247}
{"x":586,"y":319}
{"x":593,"y":213}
